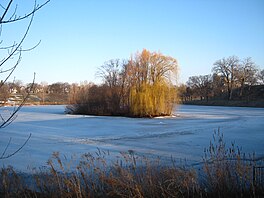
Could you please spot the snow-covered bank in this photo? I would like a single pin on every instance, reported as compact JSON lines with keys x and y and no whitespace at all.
{"x":183,"y":136}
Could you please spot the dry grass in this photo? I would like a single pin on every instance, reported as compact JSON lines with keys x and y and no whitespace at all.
{"x":226,"y":172}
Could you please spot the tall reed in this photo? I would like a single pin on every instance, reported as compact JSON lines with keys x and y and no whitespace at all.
{"x":224,"y":172}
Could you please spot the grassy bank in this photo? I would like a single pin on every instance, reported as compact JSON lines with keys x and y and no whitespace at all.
{"x":223,"y":172}
{"x":231,"y":103}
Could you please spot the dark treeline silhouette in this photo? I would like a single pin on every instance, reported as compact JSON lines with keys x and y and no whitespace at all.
{"x":232,"y":79}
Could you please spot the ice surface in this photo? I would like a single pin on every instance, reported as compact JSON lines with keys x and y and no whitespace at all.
{"x":184,"y":135}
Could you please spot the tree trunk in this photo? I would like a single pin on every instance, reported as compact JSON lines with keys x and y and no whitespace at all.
{"x":241,"y":88}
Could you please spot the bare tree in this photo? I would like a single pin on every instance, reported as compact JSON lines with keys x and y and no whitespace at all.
{"x":201,"y":85}
{"x":11,"y":54}
{"x":261,"y":76}
{"x":228,"y":69}
{"x":247,"y":74}
{"x":218,"y":85}
{"x":110,"y":72}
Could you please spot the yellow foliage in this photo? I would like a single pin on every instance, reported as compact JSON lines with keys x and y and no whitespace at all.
{"x":152,"y":100}
{"x":152,"y":93}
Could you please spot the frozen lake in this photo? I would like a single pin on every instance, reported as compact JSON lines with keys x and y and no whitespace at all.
{"x":184,"y":136}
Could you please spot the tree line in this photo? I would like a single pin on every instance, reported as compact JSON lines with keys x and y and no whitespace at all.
{"x":142,"y":86}
{"x":231,"y":78}
{"x":44,"y":93}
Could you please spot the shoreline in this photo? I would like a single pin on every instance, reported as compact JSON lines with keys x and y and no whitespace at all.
{"x":226,"y":103}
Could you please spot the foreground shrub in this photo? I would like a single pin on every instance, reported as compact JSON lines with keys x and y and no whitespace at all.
{"x":225,"y":172}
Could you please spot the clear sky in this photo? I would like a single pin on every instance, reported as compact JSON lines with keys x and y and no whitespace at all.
{"x":79,"y":36}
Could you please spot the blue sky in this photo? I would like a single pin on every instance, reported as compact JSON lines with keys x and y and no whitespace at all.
{"x":79,"y":36}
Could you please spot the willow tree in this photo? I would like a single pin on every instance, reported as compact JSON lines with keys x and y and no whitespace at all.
{"x":152,"y":91}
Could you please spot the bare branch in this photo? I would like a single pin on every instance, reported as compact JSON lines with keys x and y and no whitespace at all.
{"x":6,"y":10}
{"x":16,"y":151}
{"x":20,"y":43}
{"x":7,"y":47}
{"x":1,"y":6}
{"x":14,"y":51}
{"x":11,"y":117}
{"x":35,"y":9}
{"x":3,"y":154}
{"x":11,"y":70}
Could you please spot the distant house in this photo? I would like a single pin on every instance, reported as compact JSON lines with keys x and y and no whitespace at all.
{"x":13,"y":90}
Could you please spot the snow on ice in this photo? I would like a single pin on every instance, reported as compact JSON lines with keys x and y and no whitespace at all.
{"x":183,"y":136}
